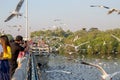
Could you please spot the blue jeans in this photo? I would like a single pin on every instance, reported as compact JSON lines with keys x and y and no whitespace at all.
{"x":4,"y":70}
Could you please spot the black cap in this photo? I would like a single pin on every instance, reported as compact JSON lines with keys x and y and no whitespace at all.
{"x":19,"y":38}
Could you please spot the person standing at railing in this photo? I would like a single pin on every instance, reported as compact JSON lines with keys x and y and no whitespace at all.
{"x":5,"y":55}
{"x":15,"y":48}
{"x":22,"y":54}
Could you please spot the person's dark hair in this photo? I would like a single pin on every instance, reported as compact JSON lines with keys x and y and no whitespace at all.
{"x":5,"y":42}
{"x":19,"y":38}
{"x":6,"y":39}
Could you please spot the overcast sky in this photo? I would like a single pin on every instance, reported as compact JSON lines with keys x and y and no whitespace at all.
{"x":68,"y":14}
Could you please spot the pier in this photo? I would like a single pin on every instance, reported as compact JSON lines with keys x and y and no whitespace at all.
{"x":30,"y":65}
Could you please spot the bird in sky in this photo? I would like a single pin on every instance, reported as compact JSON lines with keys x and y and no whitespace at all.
{"x":57,"y":20}
{"x":18,"y":29}
{"x":111,"y":10}
{"x":16,"y":11}
{"x":12,"y":26}
{"x":100,"y":6}
{"x":105,"y":75}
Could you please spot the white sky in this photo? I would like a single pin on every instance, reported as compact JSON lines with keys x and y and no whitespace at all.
{"x":71,"y":14}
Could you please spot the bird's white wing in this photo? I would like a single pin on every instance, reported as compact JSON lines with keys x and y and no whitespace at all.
{"x":19,"y":5}
{"x":100,"y":6}
{"x":118,"y":11}
{"x":10,"y":17}
{"x":111,"y":11}
{"x":115,"y":37}
{"x":67,"y":72}
{"x":97,"y":66}
{"x":112,"y":75}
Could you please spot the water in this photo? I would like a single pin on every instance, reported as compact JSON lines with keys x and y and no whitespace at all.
{"x":62,"y":68}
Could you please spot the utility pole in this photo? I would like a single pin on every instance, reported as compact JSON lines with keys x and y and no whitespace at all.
{"x":27,"y":29}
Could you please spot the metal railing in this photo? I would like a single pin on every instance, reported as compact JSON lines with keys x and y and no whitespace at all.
{"x":36,"y":75}
{"x":29,"y":69}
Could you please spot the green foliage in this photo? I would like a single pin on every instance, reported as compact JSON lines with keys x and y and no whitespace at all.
{"x":99,"y":42}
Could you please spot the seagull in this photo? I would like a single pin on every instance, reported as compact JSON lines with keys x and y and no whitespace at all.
{"x":100,"y":6}
{"x":57,"y":20}
{"x":76,"y":47}
{"x":111,"y":10}
{"x":16,"y":11}
{"x":115,"y":37}
{"x":105,"y":75}
{"x":67,"y":72}
{"x":18,"y":29}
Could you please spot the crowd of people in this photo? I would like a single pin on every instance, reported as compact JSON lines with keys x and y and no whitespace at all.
{"x":11,"y":51}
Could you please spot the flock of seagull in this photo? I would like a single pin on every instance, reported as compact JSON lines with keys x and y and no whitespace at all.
{"x":105,"y":75}
{"x":18,"y":7}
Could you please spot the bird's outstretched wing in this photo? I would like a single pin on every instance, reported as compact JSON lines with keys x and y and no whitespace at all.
{"x":10,"y":17}
{"x":19,"y":5}
{"x":115,"y":37}
{"x":112,"y":75}
{"x":113,"y":10}
{"x":67,"y":72}
{"x":97,"y":66}
{"x":100,"y":6}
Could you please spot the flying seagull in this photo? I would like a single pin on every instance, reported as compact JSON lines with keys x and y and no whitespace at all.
{"x":100,"y":6}
{"x":57,"y":20}
{"x":67,"y":72}
{"x":105,"y":75}
{"x":115,"y":37}
{"x":76,"y":47}
{"x":111,"y":10}
{"x":16,"y":11}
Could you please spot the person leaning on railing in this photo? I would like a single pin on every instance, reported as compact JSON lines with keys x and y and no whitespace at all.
{"x":15,"y":49}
